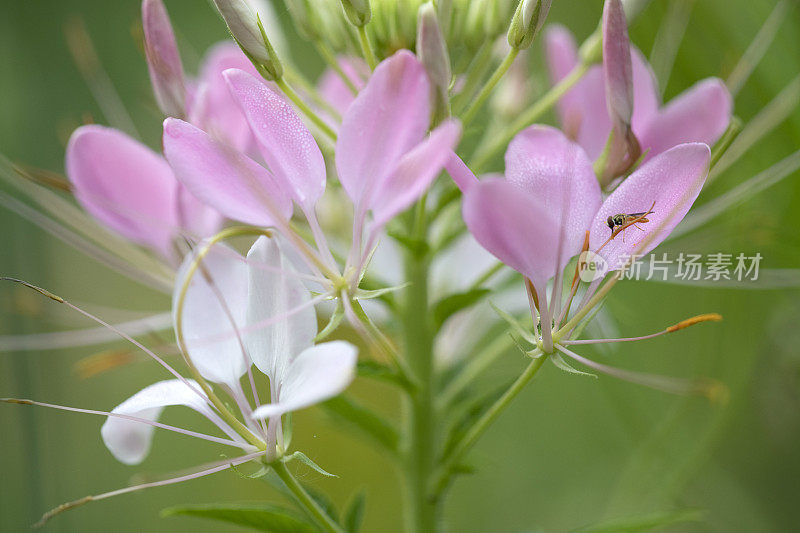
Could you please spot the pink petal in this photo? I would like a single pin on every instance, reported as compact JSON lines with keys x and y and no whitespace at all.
{"x":699,"y":114}
{"x":672,"y":180}
{"x":124,"y":185}
{"x":288,"y":148}
{"x":595,"y":124}
{"x":214,"y":109}
{"x":163,"y":59}
{"x":334,"y":90}
{"x":646,"y":99}
{"x":222,"y":177}
{"x":557,"y":172}
{"x":562,"y":57}
{"x":510,"y":223}
{"x":198,"y":219}
{"x":460,"y":172}
{"x":414,"y":173}
{"x":389,"y":117}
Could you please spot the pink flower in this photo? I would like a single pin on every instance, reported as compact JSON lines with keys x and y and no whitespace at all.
{"x":335,"y":91}
{"x":699,"y":114}
{"x":384,"y":155}
{"x":130,"y":188}
{"x":535,"y":219}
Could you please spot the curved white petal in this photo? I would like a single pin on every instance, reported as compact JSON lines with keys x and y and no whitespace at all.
{"x":319,"y":373}
{"x":215,"y":300}
{"x":274,"y":291}
{"x":129,"y":441}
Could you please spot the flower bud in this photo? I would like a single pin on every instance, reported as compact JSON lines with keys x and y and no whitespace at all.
{"x":163,"y":59}
{"x":528,"y":19}
{"x":358,"y":12}
{"x":617,"y":68}
{"x":303,"y":17}
{"x":432,"y":49}
{"x":248,"y":32}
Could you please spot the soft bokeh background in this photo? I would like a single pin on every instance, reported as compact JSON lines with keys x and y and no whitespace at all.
{"x":569,"y":452}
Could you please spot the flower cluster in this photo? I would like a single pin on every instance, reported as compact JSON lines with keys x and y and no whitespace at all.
{"x":338,"y":181}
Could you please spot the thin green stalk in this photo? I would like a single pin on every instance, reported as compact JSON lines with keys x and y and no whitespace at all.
{"x":486,"y":91}
{"x":475,"y":432}
{"x":307,"y":111}
{"x":380,"y":338}
{"x":295,"y":78}
{"x":530,"y":116}
{"x":305,"y":500}
{"x":475,"y":368}
{"x":473,"y":76}
{"x":329,"y":57}
{"x":366,"y":47}
{"x":586,"y":309}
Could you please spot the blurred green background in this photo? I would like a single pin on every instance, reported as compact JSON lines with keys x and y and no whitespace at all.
{"x":569,"y":452}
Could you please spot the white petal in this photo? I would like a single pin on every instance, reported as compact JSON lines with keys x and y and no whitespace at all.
{"x":129,"y":441}
{"x":217,"y":293}
{"x":319,"y":373}
{"x":274,"y":291}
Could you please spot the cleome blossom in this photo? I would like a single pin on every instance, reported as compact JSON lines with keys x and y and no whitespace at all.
{"x":384,"y":157}
{"x":128,"y":187}
{"x":548,"y":208}
{"x":230,"y":313}
{"x":699,"y":114}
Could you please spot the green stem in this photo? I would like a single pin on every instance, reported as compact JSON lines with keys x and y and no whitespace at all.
{"x":304,"y":498}
{"x":295,"y":78}
{"x":329,"y":57}
{"x":487,"y":89}
{"x":307,"y":111}
{"x":423,"y":513}
{"x":366,"y":47}
{"x":530,"y":116}
{"x":475,"y":432}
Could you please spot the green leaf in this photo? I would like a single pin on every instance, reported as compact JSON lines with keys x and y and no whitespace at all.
{"x":303,"y":458}
{"x":649,"y":522}
{"x":452,"y":304}
{"x":370,"y":423}
{"x":261,"y":517}
{"x":473,"y":413}
{"x":559,"y":361}
{"x":322,"y":500}
{"x":354,"y":514}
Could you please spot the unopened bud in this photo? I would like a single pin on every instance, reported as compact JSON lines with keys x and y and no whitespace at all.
{"x":163,"y":59}
{"x":247,"y":30}
{"x":617,"y":67}
{"x":528,"y":19}
{"x":358,"y":12}
{"x":432,"y":49}
{"x":303,"y":17}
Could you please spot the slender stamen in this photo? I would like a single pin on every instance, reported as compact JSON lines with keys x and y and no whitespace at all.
{"x":663,"y":383}
{"x":710,"y":317}
{"x":86,"y":499}
{"x":122,"y":334}
{"x":189,"y":433}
